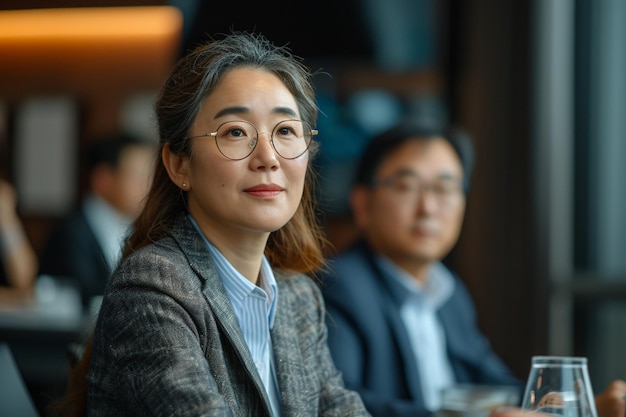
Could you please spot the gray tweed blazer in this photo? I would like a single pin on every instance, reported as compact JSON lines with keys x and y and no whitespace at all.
{"x":167,"y":343}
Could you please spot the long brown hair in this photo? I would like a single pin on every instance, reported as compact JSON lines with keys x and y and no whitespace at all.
{"x":298,"y":246}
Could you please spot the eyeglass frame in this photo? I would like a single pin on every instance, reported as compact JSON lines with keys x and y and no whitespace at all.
{"x":391,"y":182}
{"x":312,"y":132}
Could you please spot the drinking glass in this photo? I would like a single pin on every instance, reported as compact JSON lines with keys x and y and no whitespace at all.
{"x":559,"y":385}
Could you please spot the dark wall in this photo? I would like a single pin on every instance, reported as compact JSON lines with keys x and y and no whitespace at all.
{"x":490,"y":77}
{"x":323,"y":29}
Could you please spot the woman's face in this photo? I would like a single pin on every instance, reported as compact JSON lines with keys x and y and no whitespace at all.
{"x":257,"y":194}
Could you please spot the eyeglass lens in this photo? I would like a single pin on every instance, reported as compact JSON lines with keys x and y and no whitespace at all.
{"x":238,"y":139}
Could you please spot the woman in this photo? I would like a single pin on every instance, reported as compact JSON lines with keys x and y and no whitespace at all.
{"x":209,"y":312}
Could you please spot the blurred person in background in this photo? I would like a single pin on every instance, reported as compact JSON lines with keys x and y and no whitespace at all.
{"x":402,"y":325}
{"x":86,"y":246}
{"x":18,"y":261}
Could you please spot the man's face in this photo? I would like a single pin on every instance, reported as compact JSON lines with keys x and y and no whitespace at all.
{"x":131,"y":180}
{"x":414,"y":213}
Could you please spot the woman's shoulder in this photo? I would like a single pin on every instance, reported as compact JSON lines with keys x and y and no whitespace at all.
{"x":164,"y":251}
{"x":297,"y":284}
{"x":159,"y":263}
{"x":300,"y":296}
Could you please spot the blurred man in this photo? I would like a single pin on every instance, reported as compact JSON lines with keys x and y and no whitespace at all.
{"x":402,"y":326}
{"x":86,"y":246}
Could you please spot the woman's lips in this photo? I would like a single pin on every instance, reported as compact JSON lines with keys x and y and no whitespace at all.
{"x":264,"y":190}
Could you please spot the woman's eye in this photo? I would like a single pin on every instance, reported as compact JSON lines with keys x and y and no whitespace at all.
{"x":286,"y":132}
{"x":236,"y":132}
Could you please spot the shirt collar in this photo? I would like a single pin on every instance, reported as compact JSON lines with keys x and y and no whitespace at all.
{"x":237,"y":286}
{"x":435,"y":291}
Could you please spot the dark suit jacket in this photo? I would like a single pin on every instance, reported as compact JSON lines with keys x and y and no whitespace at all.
{"x":167,"y":342}
{"x":371,"y":347}
{"x":72,"y":252}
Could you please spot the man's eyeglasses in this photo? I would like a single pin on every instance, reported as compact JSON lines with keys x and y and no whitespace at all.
{"x":409,"y":187}
{"x":237,"y":140}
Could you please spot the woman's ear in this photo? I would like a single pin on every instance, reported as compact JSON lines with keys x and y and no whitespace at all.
{"x":177,"y":167}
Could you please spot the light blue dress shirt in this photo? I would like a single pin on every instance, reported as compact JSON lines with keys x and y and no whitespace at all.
{"x":418,"y":311}
{"x":255,"y":308}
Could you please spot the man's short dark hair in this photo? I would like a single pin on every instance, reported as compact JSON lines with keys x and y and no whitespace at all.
{"x":108,"y":149}
{"x":381,"y":145}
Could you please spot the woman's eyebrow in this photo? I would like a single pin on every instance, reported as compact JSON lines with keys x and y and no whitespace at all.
{"x":285,"y":110}
{"x":244,"y":110}
{"x":231,"y":110}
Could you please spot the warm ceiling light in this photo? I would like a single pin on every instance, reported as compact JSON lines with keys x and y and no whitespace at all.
{"x":68,"y":49}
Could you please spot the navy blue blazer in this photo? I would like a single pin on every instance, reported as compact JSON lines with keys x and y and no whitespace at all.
{"x":370,"y":345}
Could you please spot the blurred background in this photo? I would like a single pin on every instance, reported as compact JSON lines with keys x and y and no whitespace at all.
{"x":539,"y":85}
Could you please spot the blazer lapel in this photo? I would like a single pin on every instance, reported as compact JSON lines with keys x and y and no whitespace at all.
{"x":392,"y":315}
{"x":404,"y":344}
{"x":201,"y":262}
{"x":289,"y":371}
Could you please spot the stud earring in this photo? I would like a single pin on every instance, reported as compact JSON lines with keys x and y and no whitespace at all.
{"x":184,"y":185}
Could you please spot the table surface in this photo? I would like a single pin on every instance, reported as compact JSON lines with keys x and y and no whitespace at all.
{"x":41,"y":332}
{"x":15,"y":400}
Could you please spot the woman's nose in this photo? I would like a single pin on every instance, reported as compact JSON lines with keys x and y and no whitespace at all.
{"x":265,"y":149}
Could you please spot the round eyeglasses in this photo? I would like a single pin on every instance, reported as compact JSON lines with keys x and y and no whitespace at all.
{"x":237,"y":140}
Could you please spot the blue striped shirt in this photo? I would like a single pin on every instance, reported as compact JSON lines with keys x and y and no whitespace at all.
{"x":255,"y":308}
